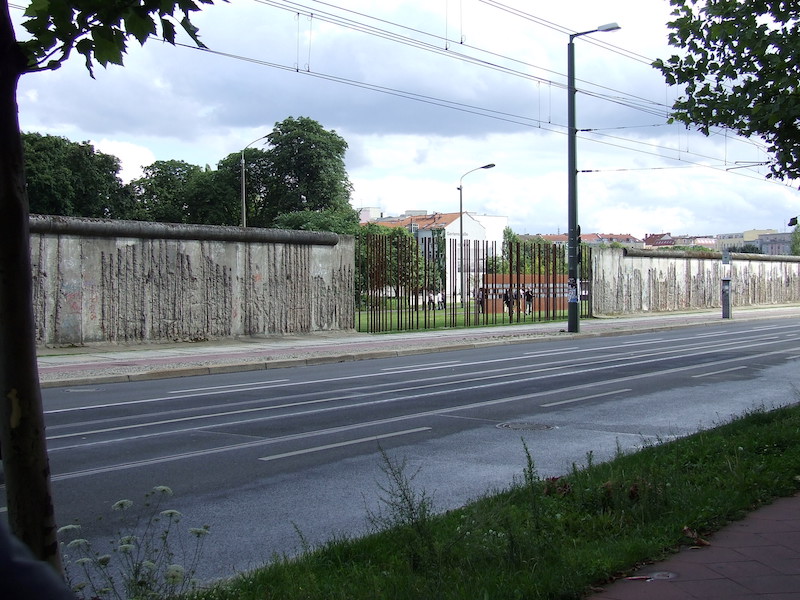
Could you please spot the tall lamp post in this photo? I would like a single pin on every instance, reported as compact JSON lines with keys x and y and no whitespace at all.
{"x":573,"y":291}
{"x":244,"y":202}
{"x":461,"y":225}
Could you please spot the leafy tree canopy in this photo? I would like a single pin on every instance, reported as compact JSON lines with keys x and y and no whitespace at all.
{"x":796,"y":242}
{"x":71,"y":179}
{"x":161,"y":193}
{"x":343,"y":221}
{"x":307,"y":170}
{"x":740,"y":70}
{"x":99,"y":29}
{"x":746,"y":249}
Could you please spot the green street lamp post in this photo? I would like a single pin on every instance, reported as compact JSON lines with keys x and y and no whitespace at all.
{"x":573,"y":300}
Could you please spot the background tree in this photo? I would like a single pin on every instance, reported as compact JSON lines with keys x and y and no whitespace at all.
{"x":740,"y":70}
{"x":402,"y":262}
{"x":99,"y":31}
{"x":71,"y":179}
{"x":258,"y":182}
{"x":214,"y":197}
{"x":746,"y":249}
{"x":306,"y":171}
{"x":161,"y":194}
{"x":343,"y":222}
{"x":795,"y":248}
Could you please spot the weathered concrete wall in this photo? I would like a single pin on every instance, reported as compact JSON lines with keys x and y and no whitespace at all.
{"x":132,"y":282}
{"x":633,"y":281}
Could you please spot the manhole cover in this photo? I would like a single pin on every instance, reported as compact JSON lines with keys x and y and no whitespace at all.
{"x":662,"y":575}
{"x":525,"y":426}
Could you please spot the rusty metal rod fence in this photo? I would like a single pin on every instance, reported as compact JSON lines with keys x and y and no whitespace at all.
{"x":407,"y":284}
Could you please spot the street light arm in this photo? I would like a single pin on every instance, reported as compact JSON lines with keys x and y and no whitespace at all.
{"x":460,"y":181}
{"x":606,"y":27}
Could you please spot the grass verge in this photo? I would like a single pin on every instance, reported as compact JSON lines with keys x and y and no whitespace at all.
{"x":548,"y":538}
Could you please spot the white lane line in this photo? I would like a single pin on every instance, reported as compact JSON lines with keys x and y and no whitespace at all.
{"x":551,"y":352}
{"x":373,"y":438}
{"x":582,"y":398}
{"x":397,"y":419}
{"x":491,"y":379}
{"x":719,"y":372}
{"x":288,"y":383}
{"x":228,"y":387}
{"x":444,"y":363}
{"x":256,"y":387}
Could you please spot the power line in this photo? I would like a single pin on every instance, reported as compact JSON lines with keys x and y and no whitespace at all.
{"x":471,"y":109}
{"x":446,"y":50}
{"x":638,"y":103}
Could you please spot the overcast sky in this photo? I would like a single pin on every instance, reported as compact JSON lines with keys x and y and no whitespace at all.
{"x":424,"y":91}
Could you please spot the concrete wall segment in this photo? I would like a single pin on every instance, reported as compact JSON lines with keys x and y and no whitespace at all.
{"x":629,"y":281}
{"x":99,"y":281}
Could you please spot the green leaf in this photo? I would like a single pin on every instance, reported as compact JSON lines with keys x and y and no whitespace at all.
{"x":108,"y":47}
{"x":139,"y":24}
{"x":168,"y":30}
{"x":37,"y":8}
{"x":192,"y":31}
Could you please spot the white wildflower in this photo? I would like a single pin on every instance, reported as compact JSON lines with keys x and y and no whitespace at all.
{"x":174,"y":574}
{"x":69,"y":529}
{"x":149,"y":565}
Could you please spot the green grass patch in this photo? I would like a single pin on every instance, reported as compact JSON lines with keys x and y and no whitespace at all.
{"x":392,"y":320}
{"x":546,"y":538}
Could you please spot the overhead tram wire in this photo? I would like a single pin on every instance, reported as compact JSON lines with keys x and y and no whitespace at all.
{"x":567,"y":31}
{"x":611,"y":47}
{"x":291,"y":6}
{"x":644,"y":105}
{"x":470,"y":109}
{"x":441,"y":102}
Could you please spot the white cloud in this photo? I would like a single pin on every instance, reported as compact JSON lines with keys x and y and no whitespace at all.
{"x":132,"y":156}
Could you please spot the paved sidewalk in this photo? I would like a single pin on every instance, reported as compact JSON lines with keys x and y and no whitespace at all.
{"x":755,"y":558}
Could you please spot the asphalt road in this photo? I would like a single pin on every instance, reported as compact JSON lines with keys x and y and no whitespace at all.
{"x":262,"y":455}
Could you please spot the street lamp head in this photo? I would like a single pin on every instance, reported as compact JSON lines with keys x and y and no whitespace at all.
{"x":609,"y":27}
{"x":489,"y":166}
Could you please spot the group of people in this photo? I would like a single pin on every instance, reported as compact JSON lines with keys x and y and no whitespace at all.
{"x":436,"y":301}
{"x":512,"y":298}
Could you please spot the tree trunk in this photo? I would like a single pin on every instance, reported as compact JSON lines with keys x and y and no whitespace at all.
{"x":22,"y":436}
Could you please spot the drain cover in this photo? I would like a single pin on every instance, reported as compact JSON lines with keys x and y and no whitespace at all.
{"x":663,"y":575}
{"x":525,"y":426}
